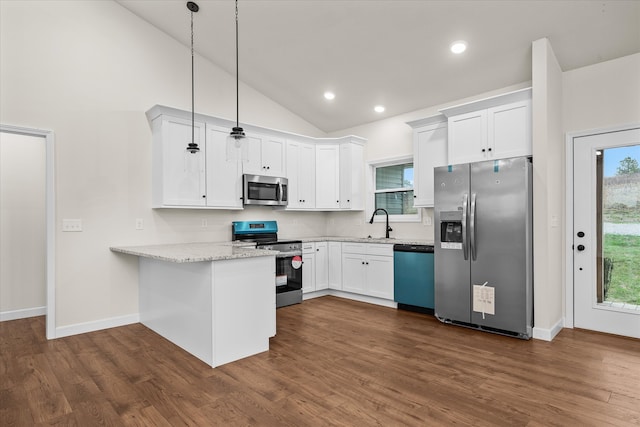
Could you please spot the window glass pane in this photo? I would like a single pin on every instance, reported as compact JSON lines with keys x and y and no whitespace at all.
{"x":396,"y":176}
{"x":396,"y":203}
{"x":619,"y":227}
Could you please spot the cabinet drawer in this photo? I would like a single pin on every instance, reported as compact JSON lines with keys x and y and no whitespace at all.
{"x":308,"y":247}
{"x":354,"y":248}
{"x":367,"y":248}
{"x":379,"y":249}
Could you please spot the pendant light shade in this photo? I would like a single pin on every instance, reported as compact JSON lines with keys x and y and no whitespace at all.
{"x":192,"y":146}
{"x":236,"y":141}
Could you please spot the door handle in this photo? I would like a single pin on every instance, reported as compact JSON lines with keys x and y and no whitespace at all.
{"x":473,"y":226}
{"x":581,"y":248}
{"x":465,"y":206}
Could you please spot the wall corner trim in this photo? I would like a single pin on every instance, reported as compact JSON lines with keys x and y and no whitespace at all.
{"x":548,"y":334}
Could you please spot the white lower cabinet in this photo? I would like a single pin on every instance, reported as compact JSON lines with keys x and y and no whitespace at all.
{"x":308,"y":267}
{"x":335,"y":265}
{"x":321,"y":265}
{"x":367,"y":268}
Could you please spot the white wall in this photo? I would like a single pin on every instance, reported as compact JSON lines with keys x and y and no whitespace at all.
{"x":88,"y":71}
{"x":22,"y":224}
{"x":602,"y":95}
{"x":548,"y":190}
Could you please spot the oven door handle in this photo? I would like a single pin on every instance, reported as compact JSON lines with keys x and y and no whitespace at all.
{"x":288,"y":254}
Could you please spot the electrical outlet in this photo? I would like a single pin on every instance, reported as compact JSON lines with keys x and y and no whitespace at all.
{"x":73,"y":225}
{"x":204,"y":223}
{"x":139,"y":224}
{"x":427,"y":220}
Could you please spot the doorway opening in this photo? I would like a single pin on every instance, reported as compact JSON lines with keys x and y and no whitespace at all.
{"x":20,"y":135}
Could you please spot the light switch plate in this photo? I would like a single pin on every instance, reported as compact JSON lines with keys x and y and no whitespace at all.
{"x":139,"y":224}
{"x":73,"y":225}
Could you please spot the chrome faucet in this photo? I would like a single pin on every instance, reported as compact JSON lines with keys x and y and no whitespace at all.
{"x":387,"y":214}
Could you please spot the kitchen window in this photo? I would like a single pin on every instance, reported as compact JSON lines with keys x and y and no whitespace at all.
{"x":393,"y":190}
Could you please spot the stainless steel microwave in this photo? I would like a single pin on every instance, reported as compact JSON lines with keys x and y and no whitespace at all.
{"x":264,"y":190}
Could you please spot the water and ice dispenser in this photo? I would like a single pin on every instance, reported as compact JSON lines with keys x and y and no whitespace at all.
{"x":451,"y":230}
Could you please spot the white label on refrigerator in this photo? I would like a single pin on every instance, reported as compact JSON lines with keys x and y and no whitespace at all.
{"x":451,"y":245}
{"x":484,"y":299}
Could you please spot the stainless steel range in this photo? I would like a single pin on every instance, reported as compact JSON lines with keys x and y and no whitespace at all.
{"x":288,"y":283}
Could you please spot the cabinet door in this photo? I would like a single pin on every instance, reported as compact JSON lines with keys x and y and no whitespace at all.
{"x":308,"y":273}
{"x":353,"y":269}
{"x":224,"y":178}
{"x":293,"y":173}
{"x":509,"y":130}
{"x":467,"y":138}
{"x":307,"y":175}
{"x":328,"y":170}
{"x":429,"y":151}
{"x":273,"y":156}
{"x":183,"y":173}
{"x":254,"y":149}
{"x":322,"y":266}
{"x":351,"y":176}
{"x":301,"y":173}
{"x":335,"y":265}
{"x":379,"y":276}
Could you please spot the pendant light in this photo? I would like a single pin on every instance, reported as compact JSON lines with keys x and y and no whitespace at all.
{"x":192,"y":147}
{"x":236,"y":146}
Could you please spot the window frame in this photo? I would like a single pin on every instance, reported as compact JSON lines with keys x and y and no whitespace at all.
{"x":373,"y":165}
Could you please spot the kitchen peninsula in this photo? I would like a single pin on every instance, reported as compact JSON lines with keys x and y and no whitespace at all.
{"x":214,"y":300}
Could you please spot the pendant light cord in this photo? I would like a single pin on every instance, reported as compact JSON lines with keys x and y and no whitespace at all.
{"x":237,"y":74}
{"x":192,"y":87}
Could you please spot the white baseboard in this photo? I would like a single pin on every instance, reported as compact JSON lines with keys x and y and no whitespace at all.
{"x":82,"y":328}
{"x":548,"y":334}
{"x":22,"y":313}
{"x":348,"y":295}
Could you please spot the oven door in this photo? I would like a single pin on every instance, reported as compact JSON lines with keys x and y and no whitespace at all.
{"x":288,"y":272}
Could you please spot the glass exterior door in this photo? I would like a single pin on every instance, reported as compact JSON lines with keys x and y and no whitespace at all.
{"x":607,"y":232}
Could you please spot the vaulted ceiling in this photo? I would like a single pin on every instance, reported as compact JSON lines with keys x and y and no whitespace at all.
{"x":391,"y":52}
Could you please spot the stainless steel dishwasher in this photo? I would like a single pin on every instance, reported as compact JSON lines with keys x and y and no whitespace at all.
{"x":413,"y":277}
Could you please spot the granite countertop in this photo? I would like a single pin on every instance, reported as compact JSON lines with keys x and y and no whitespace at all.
{"x":193,"y":252}
{"x":391,"y":241}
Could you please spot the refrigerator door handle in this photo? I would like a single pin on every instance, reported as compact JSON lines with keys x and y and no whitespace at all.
{"x":472,"y":226}
{"x":465,"y":207}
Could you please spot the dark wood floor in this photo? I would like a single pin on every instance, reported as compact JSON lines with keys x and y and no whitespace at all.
{"x":333,"y":362}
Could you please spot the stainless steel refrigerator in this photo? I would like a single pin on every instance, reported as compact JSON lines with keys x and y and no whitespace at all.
{"x":483,"y":245}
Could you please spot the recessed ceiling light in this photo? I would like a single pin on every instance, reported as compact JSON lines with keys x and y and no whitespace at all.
{"x":329,"y":95}
{"x":459,"y":46}
{"x":379,"y":109}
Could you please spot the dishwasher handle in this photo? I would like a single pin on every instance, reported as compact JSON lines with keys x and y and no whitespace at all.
{"x":413,"y":248}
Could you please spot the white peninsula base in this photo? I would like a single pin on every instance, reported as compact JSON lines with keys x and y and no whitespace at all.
{"x":219,"y":311}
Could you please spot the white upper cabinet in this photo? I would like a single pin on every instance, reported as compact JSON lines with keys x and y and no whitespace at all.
{"x":266,"y":155}
{"x":178,"y":175}
{"x":493,"y":128}
{"x":340,"y":175}
{"x":328,"y":176}
{"x":429,"y":151}
{"x":351,"y":176}
{"x":301,"y":173}
{"x":509,"y":129}
{"x":224,"y":178}
{"x":323,"y":174}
